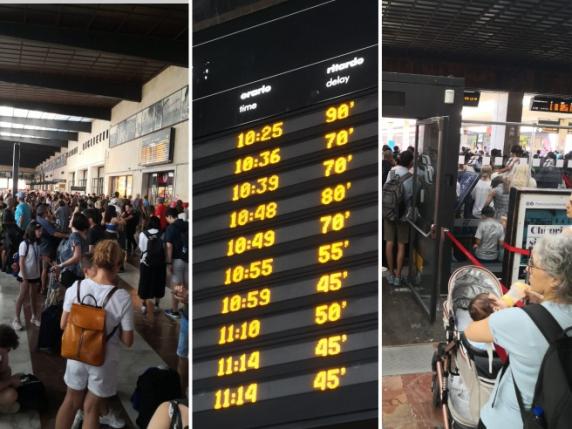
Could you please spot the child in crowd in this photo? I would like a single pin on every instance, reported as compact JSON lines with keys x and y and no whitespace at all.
{"x":482,"y":190}
{"x":489,"y":236}
{"x":8,"y":383}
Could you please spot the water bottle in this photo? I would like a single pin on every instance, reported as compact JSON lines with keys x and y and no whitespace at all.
{"x":538,"y":414}
{"x":516,"y":292}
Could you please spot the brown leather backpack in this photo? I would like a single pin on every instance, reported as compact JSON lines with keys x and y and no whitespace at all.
{"x":84,"y":336}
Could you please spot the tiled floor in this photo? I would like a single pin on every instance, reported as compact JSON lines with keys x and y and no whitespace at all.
{"x":407,"y":397}
{"x":155,"y":344}
{"x":407,"y":403}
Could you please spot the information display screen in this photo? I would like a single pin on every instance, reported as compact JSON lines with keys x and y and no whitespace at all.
{"x":285,"y":257}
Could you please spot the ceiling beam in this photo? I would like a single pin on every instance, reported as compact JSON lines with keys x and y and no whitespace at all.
{"x":31,"y":140}
{"x":45,"y":134}
{"x":168,"y":51}
{"x":83,"y":84}
{"x":94,"y":112}
{"x":49,"y":123}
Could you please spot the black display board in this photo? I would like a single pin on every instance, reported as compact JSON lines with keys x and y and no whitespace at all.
{"x":285,"y":257}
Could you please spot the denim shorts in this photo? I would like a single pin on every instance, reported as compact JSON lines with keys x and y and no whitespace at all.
{"x":183,"y":346}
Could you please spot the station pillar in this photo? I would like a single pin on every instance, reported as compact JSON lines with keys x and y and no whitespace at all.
{"x":15,"y":168}
{"x":513,"y":114}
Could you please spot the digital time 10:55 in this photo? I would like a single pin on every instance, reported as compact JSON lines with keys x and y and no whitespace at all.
{"x":254,"y":270}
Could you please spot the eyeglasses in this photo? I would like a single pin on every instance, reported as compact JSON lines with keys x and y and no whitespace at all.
{"x":531,"y":265}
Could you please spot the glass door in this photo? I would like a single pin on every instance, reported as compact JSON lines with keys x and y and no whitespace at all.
{"x":423,"y":249}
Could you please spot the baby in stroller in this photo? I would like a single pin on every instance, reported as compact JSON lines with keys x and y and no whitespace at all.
{"x":483,"y":305}
{"x":465,"y":371}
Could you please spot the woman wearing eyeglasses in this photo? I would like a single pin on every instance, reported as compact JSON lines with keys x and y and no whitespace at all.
{"x":550,"y":276}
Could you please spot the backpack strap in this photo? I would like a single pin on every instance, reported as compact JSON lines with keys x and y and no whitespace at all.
{"x":78,"y":286}
{"x":520,"y":401}
{"x":544,"y":321}
{"x":175,"y":414}
{"x":105,"y":301}
{"x":405,"y":177}
{"x":108,"y":297}
{"x":550,"y":329}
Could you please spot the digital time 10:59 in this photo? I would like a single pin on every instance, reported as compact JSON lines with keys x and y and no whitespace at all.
{"x":252,"y":299}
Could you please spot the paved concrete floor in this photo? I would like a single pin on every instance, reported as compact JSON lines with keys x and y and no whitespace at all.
{"x":155,"y":344}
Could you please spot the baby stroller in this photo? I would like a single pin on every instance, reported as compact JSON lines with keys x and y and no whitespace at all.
{"x":464,"y":373}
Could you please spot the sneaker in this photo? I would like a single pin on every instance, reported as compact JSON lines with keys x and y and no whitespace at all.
{"x":10,"y":409}
{"x":397,"y":281}
{"x":16,"y":325}
{"x":111,"y":420}
{"x":143,"y":309}
{"x":156,"y":308}
{"x":78,"y":420}
{"x":390,"y":279}
{"x":172,"y":314}
{"x":35,"y":322}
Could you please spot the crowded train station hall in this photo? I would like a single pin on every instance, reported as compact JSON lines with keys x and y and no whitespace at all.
{"x":94,"y":209}
{"x":375,"y":197}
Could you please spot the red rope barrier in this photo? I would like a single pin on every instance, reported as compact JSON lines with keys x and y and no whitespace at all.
{"x":512,"y":249}
{"x":469,"y":255}
{"x":463,"y":249}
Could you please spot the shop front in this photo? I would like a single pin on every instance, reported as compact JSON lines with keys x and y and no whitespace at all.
{"x":160,"y":184}
{"x":123,"y":185}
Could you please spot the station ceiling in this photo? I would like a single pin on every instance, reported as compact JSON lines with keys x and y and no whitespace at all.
{"x":522,"y":45}
{"x":207,"y":13}
{"x":81,"y":60}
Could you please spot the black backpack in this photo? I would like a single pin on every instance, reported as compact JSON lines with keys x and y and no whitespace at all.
{"x":32,"y":393}
{"x":552,"y":401}
{"x":393,"y":200}
{"x":155,"y":253}
{"x":154,"y":387}
{"x":184,"y":242}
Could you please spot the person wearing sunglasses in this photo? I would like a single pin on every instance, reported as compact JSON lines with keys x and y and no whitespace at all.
{"x":550,"y":277}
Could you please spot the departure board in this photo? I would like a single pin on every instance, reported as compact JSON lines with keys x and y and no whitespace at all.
{"x":285,"y":216}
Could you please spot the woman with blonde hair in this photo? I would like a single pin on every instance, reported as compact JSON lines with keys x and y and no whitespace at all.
{"x":521,"y":177}
{"x":88,"y":386}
